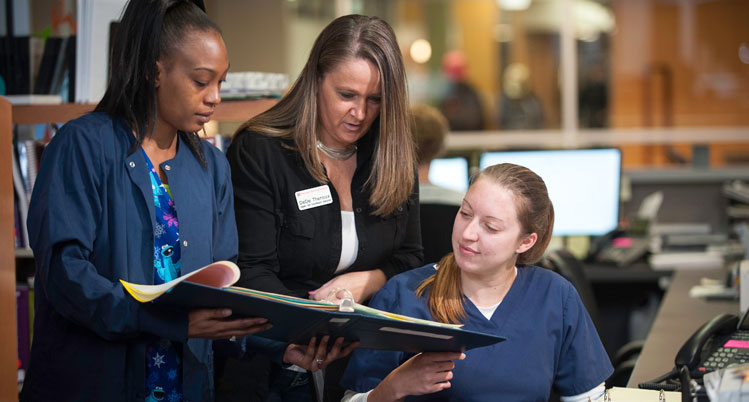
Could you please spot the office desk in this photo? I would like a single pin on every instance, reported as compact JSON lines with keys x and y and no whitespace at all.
{"x":627,"y":300}
{"x":679,"y":316}
{"x":640,"y":273}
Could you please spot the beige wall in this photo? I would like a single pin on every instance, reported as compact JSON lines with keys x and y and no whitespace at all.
{"x":254,"y":33}
{"x":255,"y":37}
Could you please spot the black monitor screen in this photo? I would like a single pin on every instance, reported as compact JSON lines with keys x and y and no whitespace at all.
{"x":583,"y":185}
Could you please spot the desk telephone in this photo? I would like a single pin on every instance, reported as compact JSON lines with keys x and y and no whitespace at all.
{"x":718,"y":343}
{"x":618,"y":248}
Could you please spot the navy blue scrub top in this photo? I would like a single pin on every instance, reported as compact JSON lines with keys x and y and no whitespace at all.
{"x":551,"y":342}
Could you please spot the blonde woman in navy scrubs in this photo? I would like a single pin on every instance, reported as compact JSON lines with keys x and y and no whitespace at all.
{"x":488,"y":284}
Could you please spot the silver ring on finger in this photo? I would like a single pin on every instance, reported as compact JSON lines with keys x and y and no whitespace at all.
{"x":320,"y":362}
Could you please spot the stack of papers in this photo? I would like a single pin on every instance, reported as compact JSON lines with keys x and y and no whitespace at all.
{"x":729,"y":384}
{"x":254,"y":85}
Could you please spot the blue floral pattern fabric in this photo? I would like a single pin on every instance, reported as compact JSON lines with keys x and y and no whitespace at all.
{"x":163,"y":361}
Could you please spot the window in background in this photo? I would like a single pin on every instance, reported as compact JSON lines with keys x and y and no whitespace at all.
{"x":648,"y":72}
{"x":679,"y":65}
{"x":528,"y":36}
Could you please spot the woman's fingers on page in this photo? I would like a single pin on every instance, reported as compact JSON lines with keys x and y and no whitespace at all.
{"x":320,"y":293}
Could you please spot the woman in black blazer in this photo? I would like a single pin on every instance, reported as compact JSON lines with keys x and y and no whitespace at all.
{"x":325,"y":185}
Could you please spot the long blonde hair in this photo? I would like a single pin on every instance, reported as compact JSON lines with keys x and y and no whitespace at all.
{"x":536,"y":215}
{"x":295,"y":116}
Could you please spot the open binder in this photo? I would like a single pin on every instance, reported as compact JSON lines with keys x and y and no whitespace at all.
{"x":296,"y":320}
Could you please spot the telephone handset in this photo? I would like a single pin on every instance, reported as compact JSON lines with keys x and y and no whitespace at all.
{"x":710,"y":337}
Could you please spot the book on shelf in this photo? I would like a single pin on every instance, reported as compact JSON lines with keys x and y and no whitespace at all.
{"x":15,"y":64}
{"x":30,"y":282}
{"x":21,"y":201}
{"x":296,"y":320}
{"x":23,"y":325}
{"x":36,"y":70}
{"x":52,"y":51}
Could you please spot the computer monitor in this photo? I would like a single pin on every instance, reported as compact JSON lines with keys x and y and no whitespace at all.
{"x":583,"y":185}
{"x":449,"y":172}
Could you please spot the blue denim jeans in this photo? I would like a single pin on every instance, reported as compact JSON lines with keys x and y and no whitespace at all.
{"x":291,"y":386}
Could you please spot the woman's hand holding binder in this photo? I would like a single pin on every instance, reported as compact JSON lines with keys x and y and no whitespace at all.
{"x":425,"y":373}
{"x":314,"y":356}
{"x":215,"y":324}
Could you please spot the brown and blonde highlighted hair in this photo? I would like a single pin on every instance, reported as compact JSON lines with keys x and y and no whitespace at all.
{"x":536,"y":215}
{"x":295,"y":116}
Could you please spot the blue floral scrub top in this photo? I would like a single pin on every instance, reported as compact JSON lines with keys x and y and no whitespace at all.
{"x":163,"y":360}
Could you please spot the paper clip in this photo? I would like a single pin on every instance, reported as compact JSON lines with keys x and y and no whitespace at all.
{"x":345,"y":303}
{"x":662,"y":396}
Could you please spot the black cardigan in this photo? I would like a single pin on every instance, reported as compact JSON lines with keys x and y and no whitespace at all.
{"x":288,"y":251}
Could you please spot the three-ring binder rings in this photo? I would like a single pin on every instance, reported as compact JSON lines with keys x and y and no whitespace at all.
{"x":617,"y":394}
{"x":296,"y":320}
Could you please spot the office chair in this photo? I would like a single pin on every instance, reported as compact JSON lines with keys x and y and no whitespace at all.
{"x":563,"y":262}
{"x":436,"y":230}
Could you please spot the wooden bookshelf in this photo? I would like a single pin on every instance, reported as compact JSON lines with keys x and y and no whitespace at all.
{"x":239,"y":110}
{"x":8,"y":336}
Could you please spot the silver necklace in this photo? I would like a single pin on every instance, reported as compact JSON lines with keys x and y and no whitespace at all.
{"x":337,"y":154}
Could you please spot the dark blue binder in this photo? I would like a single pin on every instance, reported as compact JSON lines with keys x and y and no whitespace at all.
{"x":296,"y":324}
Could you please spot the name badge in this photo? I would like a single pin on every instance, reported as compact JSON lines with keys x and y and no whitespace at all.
{"x":313,"y":197}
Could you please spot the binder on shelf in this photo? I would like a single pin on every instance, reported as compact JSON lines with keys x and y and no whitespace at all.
{"x":22,"y":202}
{"x":52,"y":51}
{"x":296,"y":320}
{"x":31,"y":309}
{"x":15,"y":64}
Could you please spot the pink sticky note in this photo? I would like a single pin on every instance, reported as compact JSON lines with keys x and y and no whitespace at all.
{"x":733,"y":343}
{"x":622,"y":242}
